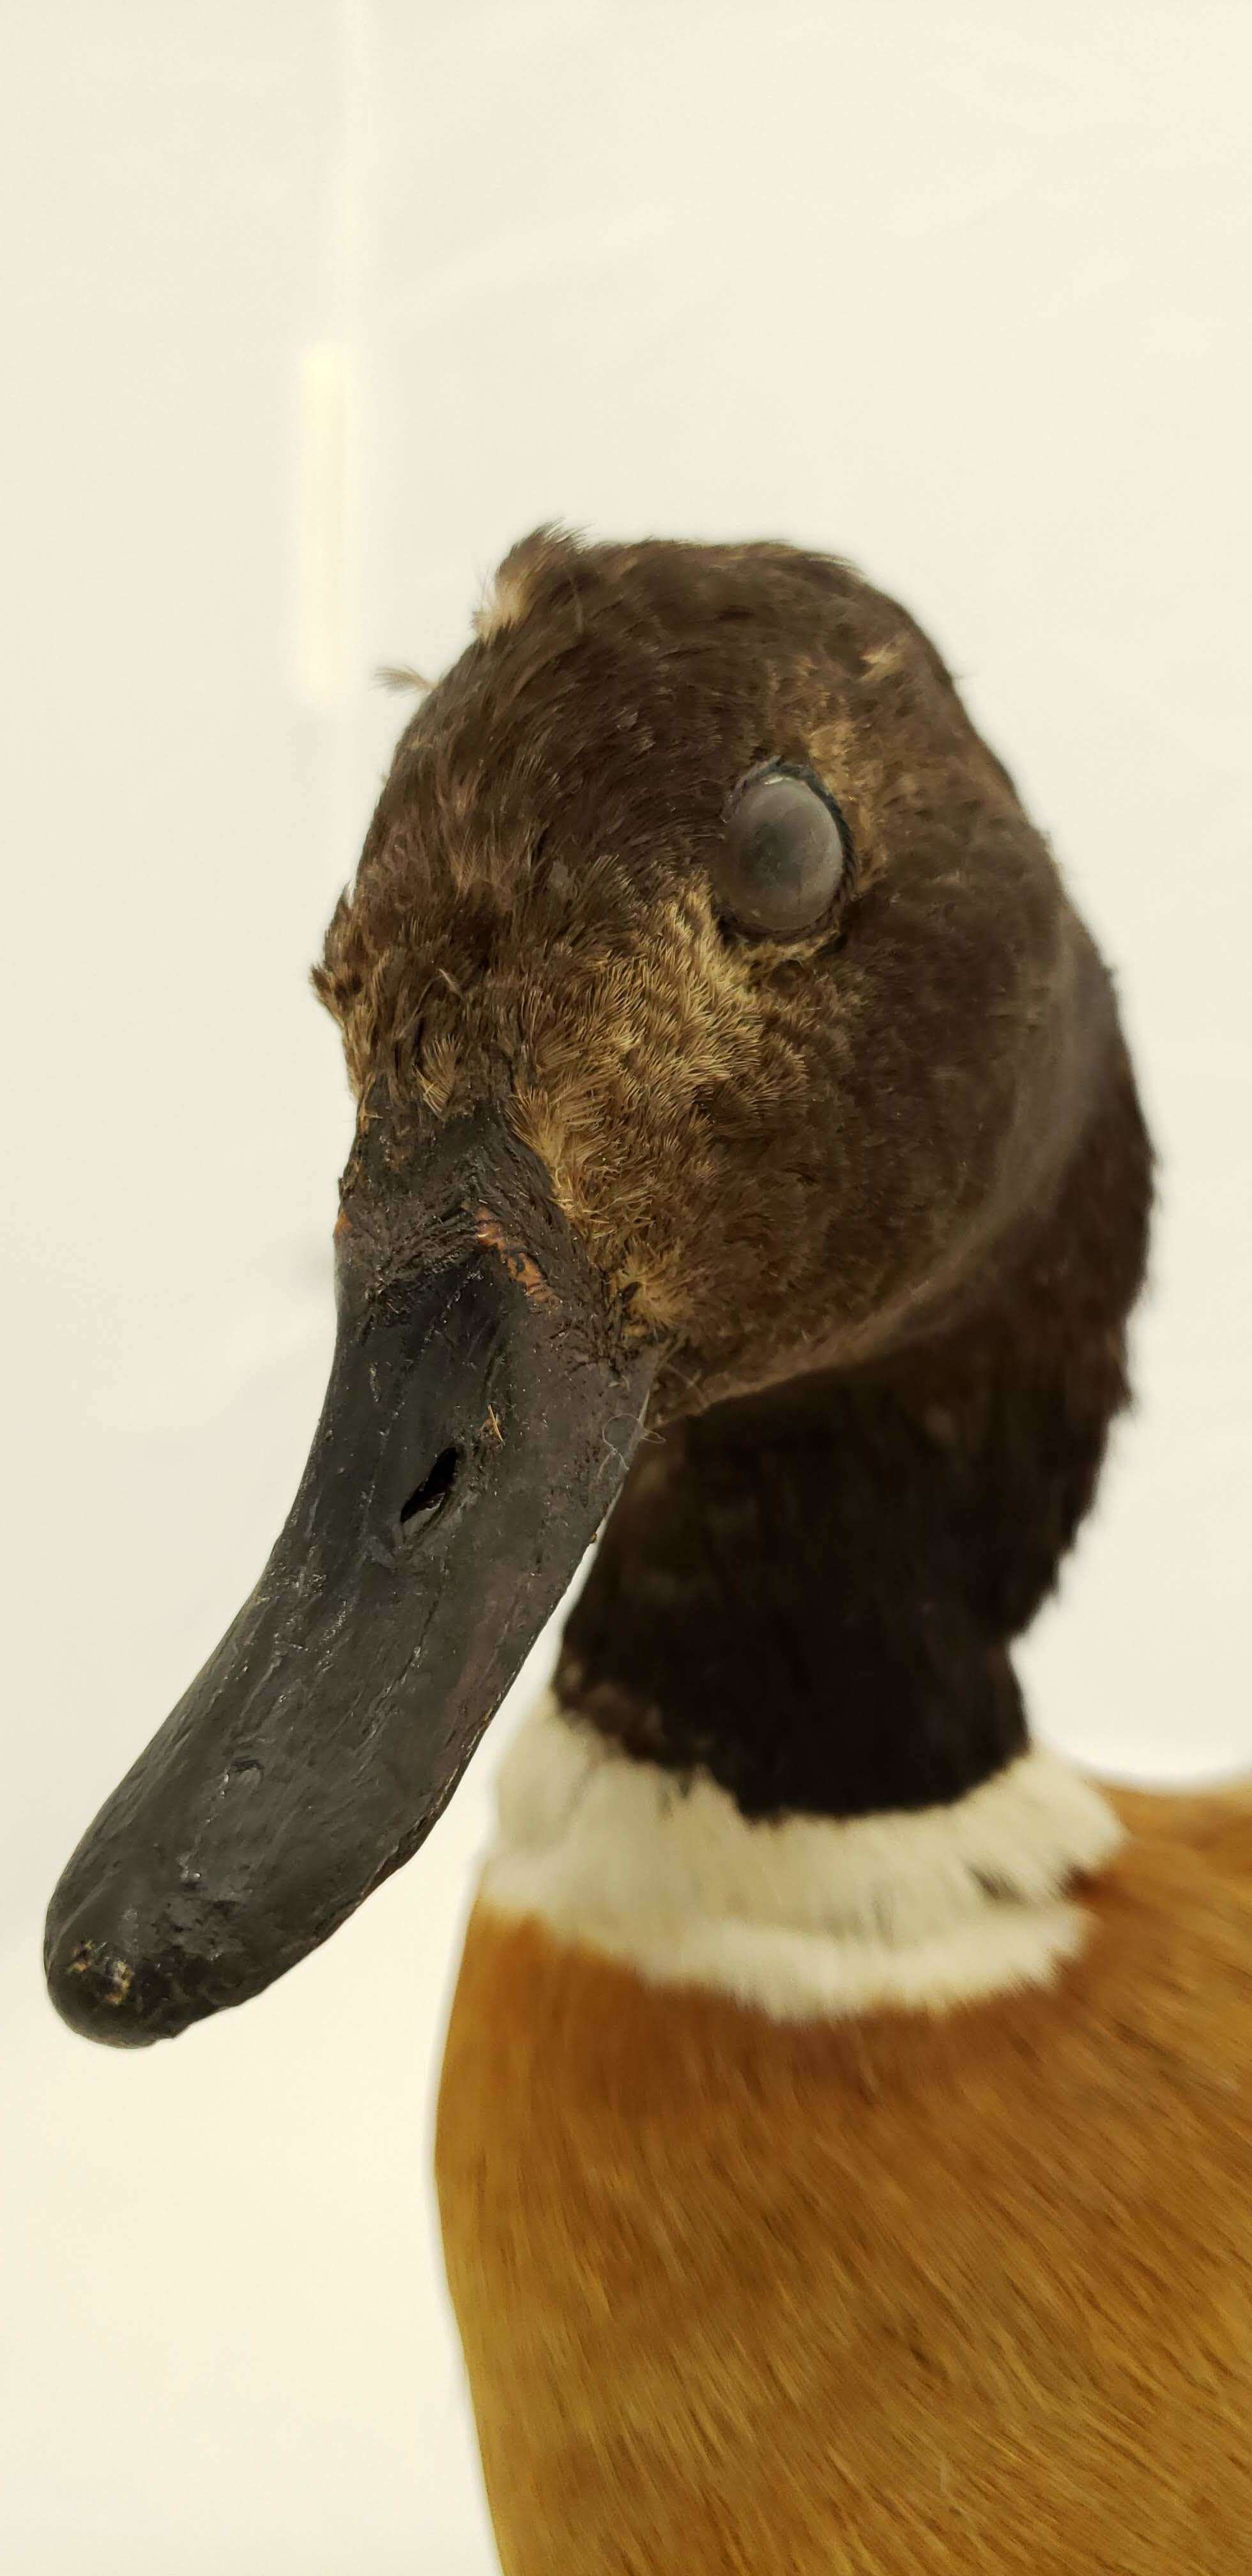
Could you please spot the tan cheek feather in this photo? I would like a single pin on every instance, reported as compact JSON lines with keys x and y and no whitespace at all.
{"x":902,"y":2293}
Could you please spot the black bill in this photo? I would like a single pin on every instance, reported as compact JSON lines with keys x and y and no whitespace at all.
{"x":478,"y":1422}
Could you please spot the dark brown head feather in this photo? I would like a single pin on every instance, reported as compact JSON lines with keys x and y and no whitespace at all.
{"x":775,"y":1150}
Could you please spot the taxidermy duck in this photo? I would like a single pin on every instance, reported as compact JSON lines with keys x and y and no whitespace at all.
{"x":844,"y":2146}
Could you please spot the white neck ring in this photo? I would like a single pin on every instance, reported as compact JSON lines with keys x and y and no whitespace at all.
{"x":806,"y":1917}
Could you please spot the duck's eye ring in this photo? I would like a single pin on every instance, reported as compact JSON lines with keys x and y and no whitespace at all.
{"x":784,"y":857}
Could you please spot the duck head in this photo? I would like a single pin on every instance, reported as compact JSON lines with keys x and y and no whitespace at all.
{"x":714,"y":1014}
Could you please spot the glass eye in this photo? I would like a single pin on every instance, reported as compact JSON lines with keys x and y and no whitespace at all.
{"x":784,"y":854}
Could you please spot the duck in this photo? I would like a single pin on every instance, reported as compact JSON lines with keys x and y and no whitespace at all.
{"x":843,"y":2142}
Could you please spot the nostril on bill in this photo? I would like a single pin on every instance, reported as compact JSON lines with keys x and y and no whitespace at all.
{"x":434,"y":1488}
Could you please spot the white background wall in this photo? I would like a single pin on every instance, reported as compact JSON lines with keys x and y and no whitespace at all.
{"x":960,"y":293}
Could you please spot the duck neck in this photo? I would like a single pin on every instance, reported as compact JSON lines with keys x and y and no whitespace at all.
{"x":807,"y":1596}
{"x":787,"y":1765}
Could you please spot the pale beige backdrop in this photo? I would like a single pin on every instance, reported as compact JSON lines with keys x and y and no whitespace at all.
{"x":310,"y":306}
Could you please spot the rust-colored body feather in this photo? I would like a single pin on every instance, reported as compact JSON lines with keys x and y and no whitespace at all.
{"x":901,"y":2296}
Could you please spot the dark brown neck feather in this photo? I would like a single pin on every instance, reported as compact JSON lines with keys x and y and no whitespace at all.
{"x":810,"y":1594}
